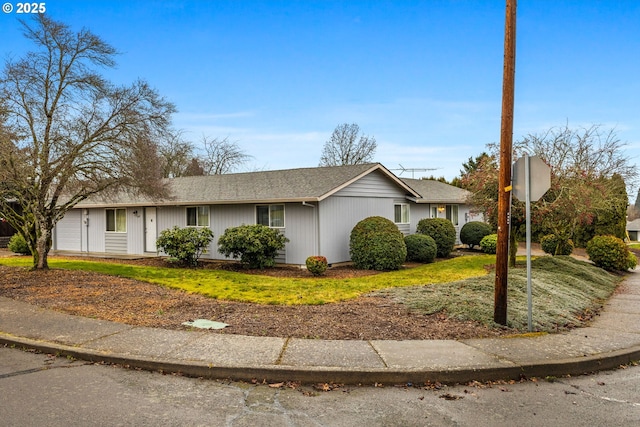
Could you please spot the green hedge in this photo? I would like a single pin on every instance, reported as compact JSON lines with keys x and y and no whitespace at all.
{"x":255,"y":245}
{"x":442,"y":231}
{"x":376,"y":243}
{"x":473,"y":232}
{"x":420,"y":248}
{"x":611,"y":253}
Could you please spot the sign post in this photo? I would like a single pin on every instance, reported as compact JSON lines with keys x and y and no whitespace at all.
{"x":531,"y":179}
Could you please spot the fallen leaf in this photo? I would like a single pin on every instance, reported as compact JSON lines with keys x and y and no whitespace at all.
{"x":276,"y":385}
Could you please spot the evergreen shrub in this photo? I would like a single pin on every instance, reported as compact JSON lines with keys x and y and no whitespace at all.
{"x":442,"y":231}
{"x":255,"y":245}
{"x":489,"y":243}
{"x":420,"y":248}
{"x":376,"y":243}
{"x":610,"y":253}
{"x":185,"y":244}
{"x":472,"y":233}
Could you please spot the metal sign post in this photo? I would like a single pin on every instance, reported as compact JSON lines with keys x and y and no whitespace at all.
{"x":530,"y":190}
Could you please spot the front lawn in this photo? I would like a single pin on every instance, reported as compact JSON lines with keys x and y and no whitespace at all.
{"x":235,"y":286}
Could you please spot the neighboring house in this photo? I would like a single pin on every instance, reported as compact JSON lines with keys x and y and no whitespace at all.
{"x":316,"y":209}
{"x":7,"y":231}
{"x":633,"y":230}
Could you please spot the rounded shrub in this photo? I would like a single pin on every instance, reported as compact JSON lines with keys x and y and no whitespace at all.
{"x":420,"y":248}
{"x":609,"y":252}
{"x":255,"y":245}
{"x":472,"y":233}
{"x":489,"y":243}
{"x":376,"y":243}
{"x":317,"y":265}
{"x":18,"y":245}
{"x":554,"y":245}
{"x":185,"y":244}
{"x":442,"y":231}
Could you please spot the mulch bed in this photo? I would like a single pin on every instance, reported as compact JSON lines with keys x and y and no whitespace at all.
{"x":138,"y":303}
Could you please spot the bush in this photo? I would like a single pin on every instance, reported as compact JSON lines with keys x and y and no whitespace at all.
{"x":489,"y":243}
{"x":255,"y":245}
{"x":472,"y":233}
{"x":610,"y":253}
{"x":442,"y":231}
{"x":316,"y":265}
{"x":18,"y":245}
{"x":185,"y":244}
{"x":554,"y":245}
{"x":420,"y":248}
{"x":377,"y":244}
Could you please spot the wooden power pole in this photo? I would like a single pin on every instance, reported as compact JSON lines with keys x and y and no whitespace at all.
{"x":504,"y":179}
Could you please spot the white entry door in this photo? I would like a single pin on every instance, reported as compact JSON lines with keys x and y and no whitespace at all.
{"x":150,"y":229}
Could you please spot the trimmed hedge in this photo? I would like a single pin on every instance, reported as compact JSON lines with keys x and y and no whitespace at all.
{"x":553,"y":245}
{"x":489,"y":244}
{"x":376,"y":243}
{"x":420,"y":248}
{"x":316,"y":265}
{"x":442,"y":231}
{"x":473,"y":232}
{"x":610,"y":253}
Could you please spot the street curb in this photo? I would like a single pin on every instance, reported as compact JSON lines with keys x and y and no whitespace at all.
{"x":310,"y":375}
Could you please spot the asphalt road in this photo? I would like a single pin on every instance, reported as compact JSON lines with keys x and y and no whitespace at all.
{"x":38,"y":389}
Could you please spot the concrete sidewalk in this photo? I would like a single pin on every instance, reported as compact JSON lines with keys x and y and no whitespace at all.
{"x":612,"y":339}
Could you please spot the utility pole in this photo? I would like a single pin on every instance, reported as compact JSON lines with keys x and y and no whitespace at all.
{"x":504,"y":178}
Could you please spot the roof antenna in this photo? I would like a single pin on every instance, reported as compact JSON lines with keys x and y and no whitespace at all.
{"x":402,"y":170}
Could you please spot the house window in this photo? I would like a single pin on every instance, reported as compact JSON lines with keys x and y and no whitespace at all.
{"x":401,"y":213}
{"x":452,"y":214}
{"x":117,"y":220}
{"x":270,"y":215}
{"x":434,"y":212}
{"x":198,"y":216}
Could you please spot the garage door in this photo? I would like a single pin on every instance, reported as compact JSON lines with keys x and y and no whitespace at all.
{"x":69,"y":231}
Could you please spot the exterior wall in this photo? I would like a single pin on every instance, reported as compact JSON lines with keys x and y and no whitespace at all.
{"x":135,"y":230}
{"x":423,"y":210}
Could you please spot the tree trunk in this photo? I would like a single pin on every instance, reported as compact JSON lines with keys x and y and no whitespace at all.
{"x":43,"y":246}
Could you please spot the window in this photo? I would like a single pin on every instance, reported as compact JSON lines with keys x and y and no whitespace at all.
{"x":452,"y":214}
{"x":434,"y":212}
{"x":117,"y":220}
{"x":198,"y":216}
{"x":270,"y":215}
{"x":401,"y":213}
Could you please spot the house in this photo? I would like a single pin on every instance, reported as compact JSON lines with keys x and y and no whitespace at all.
{"x":316,"y":209}
{"x":633,"y":230}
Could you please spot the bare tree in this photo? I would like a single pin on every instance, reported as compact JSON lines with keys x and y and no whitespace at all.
{"x":71,"y":134}
{"x":177,"y":155}
{"x":221,"y":156}
{"x":585,"y":151}
{"x":348,"y":147}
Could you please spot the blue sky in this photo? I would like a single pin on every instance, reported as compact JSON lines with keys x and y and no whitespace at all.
{"x":423,"y":77}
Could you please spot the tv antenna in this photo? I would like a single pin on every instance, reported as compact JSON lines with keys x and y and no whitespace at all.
{"x":402,"y":170}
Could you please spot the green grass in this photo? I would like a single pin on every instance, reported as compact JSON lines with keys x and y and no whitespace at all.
{"x":233,"y":286}
{"x":563,"y":289}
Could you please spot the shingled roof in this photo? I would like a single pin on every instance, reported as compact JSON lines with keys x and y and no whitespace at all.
{"x":289,"y":185}
{"x":437,"y":192}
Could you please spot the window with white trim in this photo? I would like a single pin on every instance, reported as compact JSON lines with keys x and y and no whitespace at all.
{"x":401,"y":213}
{"x":116,"y":220}
{"x":270,"y":215}
{"x":198,"y":216}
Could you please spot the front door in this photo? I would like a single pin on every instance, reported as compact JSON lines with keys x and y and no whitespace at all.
{"x":150,"y":229}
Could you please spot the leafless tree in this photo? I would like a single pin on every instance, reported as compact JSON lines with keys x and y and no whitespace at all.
{"x":348,"y":147}
{"x":178,"y":156}
{"x":221,"y":156}
{"x":71,"y":134}
{"x":584,"y":151}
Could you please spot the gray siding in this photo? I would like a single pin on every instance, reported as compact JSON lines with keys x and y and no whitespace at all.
{"x":115,"y":243}
{"x":97,"y":226}
{"x":68,"y":232}
{"x":302,"y":231}
{"x":338,"y":216}
{"x":373,"y":185}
